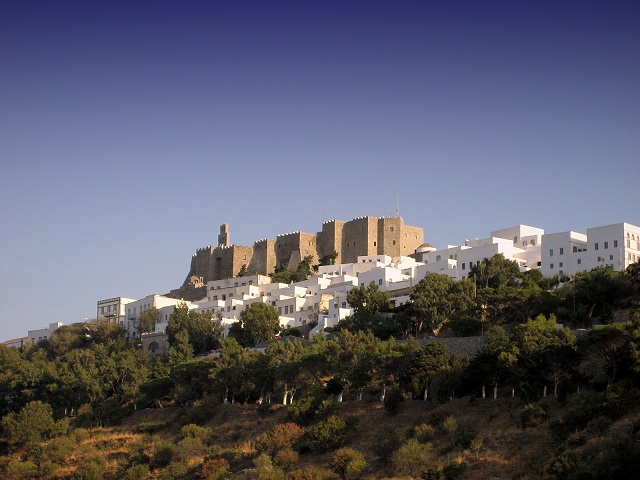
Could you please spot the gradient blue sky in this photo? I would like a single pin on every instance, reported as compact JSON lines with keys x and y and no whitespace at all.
{"x":129,"y":131}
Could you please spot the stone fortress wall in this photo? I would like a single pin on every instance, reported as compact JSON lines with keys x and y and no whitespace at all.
{"x":350,"y":239}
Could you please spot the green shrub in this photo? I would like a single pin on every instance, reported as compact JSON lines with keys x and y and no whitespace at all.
{"x":148,"y":427}
{"x":412,"y":457}
{"x":265,"y":470}
{"x":348,"y":463}
{"x":59,"y":449}
{"x":175,"y":470}
{"x":453,"y":470}
{"x":424,"y":433}
{"x":599,"y":425}
{"x":229,"y":454}
{"x":280,"y":437}
{"x":137,"y":472}
{"x":562,"y":467}
{"x":32,"y":424}
{"x":91,"y":468}
{"x":286,"y":459}
{"x":309,"y":408}
{"x":164,"y":453}
{"x":330,"y":433}
{"x":217,"y":469}
{"x":22,"y":470}
{"x":81,"y":434}
{"x":47,"y":468}
{"x":138,"y":454}
{"x":189,"y":448}
{"x":431,"y":473}
{"x":533,"y":414}
{"x":194,"y":431}
{"x":464,"y":436}
{"x":86,"y":418}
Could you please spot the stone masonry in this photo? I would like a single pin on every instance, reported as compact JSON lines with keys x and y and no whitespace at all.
{"x":358,"y":237}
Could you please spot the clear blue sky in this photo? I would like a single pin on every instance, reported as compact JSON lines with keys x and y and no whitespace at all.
{"x":129,"y":131}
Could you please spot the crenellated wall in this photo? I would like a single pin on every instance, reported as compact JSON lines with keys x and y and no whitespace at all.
{"x":357,"y":237}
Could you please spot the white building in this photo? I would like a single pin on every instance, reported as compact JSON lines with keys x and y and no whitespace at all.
{"x":113,"y":309}
{"x":521,"y":244}
{"x":568,"y":253}
{"x":43,"y":333}
{"x":136,"y":308}
{"x":564,"y":254}
{"x":324,"y":296}
{"x":16,"y":342}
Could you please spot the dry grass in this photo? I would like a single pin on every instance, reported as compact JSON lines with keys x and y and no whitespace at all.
{"x":507,"y":450}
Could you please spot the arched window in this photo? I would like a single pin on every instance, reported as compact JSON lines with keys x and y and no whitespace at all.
{"x":438,"y":258}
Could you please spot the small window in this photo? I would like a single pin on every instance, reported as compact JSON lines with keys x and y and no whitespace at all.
{"x":394,"y":242}
{"x":551,"y":252}
{"x":463,"y":266}
{"x":610,"y":257}
{"x":551,"y":266}
{"x":561,"y":251}
{"x":597,"y":246}
{"x":391,"y":229}
{"x":615,"y":244}
{"x":561,"y":264}
{"x":579,"y":261}
{"x":380,"y":281}
{"x":606,"y":245}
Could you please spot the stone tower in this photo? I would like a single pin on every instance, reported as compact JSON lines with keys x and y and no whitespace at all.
{"x":224,"y":239}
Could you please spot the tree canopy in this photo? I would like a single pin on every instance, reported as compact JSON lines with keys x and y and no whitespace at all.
{"x":258,"y":323}
{"x":202,"y":331}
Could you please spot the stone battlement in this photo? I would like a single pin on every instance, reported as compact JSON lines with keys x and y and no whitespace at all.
{"x":363,"y":235}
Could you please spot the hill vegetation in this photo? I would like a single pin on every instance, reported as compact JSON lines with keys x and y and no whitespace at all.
{"x":539,"y":400}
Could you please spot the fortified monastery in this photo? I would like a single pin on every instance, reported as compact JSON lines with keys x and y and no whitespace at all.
{"x":383,"y":251}
{"x":362,"y":236}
